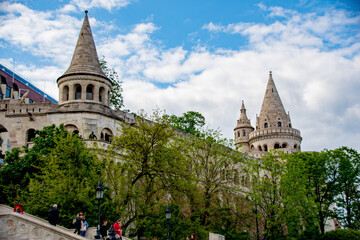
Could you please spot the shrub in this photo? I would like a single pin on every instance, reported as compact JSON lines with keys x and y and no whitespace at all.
{"x":341,"y":234}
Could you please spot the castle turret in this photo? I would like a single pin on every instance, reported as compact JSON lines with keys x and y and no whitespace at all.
{"x":84,"y":81}
{"x":272,"y":112}
{"x":273,"y":127}
{"x":242,"y":131}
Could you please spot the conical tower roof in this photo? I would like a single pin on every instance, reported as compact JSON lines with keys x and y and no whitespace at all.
{"x":272,"y":106}
{"x":243,"y":115}
{"x":85,"y":59}
{"x":244,"y":121}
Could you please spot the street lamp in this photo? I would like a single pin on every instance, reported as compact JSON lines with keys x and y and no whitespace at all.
{"x":99,"y":197}
{"x":168,"y":216}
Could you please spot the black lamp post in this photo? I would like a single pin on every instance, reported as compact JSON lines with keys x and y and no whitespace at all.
{"x":168,"y":216}
{"x":99,"y":197}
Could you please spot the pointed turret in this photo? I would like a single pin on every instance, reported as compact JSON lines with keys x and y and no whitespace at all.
{"x":272,"y":112}
{"x":243,"y":111}
{"x":273,"y":126}
{"x":242,"y":130}
{"x":84,"y":81}
{"x":85,"y":59}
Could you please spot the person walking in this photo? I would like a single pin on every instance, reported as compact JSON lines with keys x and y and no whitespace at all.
{"x":103,"y":229}
{"x":85,"y":226}
{"x":78,"y":223}
{"x":53,"y":216}
{"x":117,"y":228}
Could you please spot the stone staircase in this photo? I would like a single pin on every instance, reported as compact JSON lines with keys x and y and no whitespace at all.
{"x":16,"y":226}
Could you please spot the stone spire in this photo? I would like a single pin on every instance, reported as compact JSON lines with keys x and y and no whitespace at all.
{"x":84,"y":82}
{"x":242,"y":130}
{"x":85,"y":59}
{"x":244,"y":120}
{"x":272,"y":110}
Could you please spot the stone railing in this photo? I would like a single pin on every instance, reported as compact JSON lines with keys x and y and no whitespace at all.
{"x":26,"y":226}
{"x":263,"y":132}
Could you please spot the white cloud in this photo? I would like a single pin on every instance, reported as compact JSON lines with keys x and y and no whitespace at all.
{"x":302,"y":30}
{"x":317,"y":83}
{"x":42,"y":34}
{"x":107,"y":4}
{"x":68,"y":8}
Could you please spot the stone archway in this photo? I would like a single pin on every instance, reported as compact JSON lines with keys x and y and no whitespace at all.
{"x":4,"y":142}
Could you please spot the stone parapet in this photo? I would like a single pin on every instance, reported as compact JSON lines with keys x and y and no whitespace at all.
{"x":272,"y":132}
{"x":16,"y":226}
{"x":25,"y":226}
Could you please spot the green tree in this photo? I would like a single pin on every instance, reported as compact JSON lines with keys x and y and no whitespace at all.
{"x":265,"y":195}
{"x":22,"y":164}
{"x":116,"y":98}
{"x":316,"y":177}
{"x":213,"y":167}
{"x":142,"y":166}
{"x":190,"y":122}
{"x":298,"y":197}
{"x":348,"y":200}
{"x":322,"y":175}
{"x":68,"y":178}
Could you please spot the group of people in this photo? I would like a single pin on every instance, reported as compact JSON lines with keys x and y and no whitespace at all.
{"x":116,"y":226}
{"x":81,"y":224}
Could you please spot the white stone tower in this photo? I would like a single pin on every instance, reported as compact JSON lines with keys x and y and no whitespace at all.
{"x":273,"y":127}
{"x":84,"y":81}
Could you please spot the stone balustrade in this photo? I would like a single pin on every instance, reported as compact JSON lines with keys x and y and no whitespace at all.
{"x":264,"y":132}
{"x":25,"y":226}
{"x":16,"y":226}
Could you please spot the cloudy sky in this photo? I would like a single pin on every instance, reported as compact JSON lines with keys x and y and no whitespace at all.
{"x":206,"y":56}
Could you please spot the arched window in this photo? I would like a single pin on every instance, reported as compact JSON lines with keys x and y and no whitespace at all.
{"x":3,"y":80}
{"x":106,"y":135}
{"x":72,"y":128}
{"x":276,"y":146}
{"x":65,"y":93}
{"x":77,"y":91}
{"x":284,"y":145}
{"x":15,"y":91}
{"x":102,"y":94}
{"x":245,"y":178}
{"x":244,"y":133}
{"x":295,"y":146}
{"x":259,"y":148}
{"x":236,"y":177}
{"x":265,"y":148}
{"x":30,"y":134}
{"x":90,"y":92}
{"x":238,"y":133}
{"x":252,"y":147}
{"x":266,"y":125}
{"x":290,"y":125}
{"x":279,"y":124}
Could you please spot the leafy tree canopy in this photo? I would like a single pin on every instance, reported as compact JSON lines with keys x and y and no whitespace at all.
{"x":190,"y":122}
{"x":116,"y":97}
